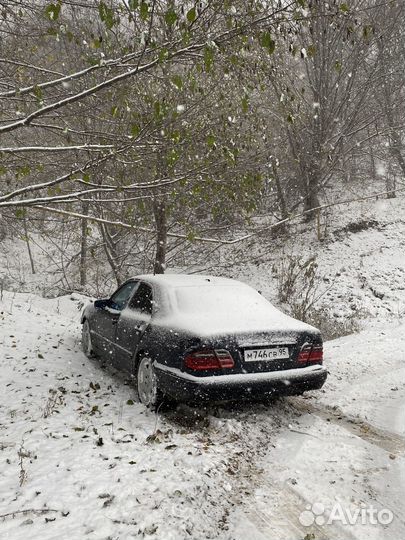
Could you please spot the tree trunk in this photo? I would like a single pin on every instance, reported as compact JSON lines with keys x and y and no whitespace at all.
{"x":390,"y":183}
{"x":27,"y":240}
{"x":111,"y":253}
{"x":396,"y":150}
{"x":280,"y":193}
{"x":372,"y":158}
{"x":83,"y":246}
{"x":311,"y":199}
{"x":396,"y":146}
{"x":159,"y":211}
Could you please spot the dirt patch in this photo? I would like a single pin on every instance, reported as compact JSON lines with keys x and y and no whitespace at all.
{"x":356,"y":227}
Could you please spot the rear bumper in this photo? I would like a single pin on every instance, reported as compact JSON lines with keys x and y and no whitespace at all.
{"x":185,"y":387}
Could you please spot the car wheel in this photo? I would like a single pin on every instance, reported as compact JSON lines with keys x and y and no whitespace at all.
{"x":148,"y":391}
{"x":86,"y":340}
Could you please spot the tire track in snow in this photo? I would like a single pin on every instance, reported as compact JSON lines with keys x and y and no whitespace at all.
{"x":391,"y":442}
{"x":286,"y":525}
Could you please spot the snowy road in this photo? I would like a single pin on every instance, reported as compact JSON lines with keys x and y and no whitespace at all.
{"x":343,"y":458}
{"x":79,"y":458}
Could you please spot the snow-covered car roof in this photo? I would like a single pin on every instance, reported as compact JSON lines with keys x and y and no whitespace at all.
{"x":187,"y":280}
{"x":210,"y":305}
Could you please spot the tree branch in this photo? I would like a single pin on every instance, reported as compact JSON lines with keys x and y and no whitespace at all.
{"x":220,"y":38}
{"x":10,"y":150}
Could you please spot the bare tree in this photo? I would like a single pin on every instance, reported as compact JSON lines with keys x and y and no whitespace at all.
{"x":323,"y":89}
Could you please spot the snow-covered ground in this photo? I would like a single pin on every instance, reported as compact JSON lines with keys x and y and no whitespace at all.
{"x":81,"y":458}
{"x":360,"y":261}
{"x":342,"y":456}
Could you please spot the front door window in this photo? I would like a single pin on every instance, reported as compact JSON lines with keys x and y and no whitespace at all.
{"x":120,"y":298}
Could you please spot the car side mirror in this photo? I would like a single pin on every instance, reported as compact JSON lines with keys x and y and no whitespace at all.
{"x":101,"y":304}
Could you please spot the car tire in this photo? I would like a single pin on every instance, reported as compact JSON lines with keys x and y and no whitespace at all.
{"x":87,"y":345}
{"x":146,"y":384}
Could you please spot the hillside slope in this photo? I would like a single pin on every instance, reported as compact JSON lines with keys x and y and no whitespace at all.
{"x":360,"y":261}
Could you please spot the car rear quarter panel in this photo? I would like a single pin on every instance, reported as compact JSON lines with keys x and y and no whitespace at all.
{"x":166,"y":345}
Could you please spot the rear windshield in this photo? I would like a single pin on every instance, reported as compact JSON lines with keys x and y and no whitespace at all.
{"x":220,"y":299}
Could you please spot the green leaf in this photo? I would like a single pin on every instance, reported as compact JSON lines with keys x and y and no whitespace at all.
{"x":311,"y":50}
{"x":86,"y":177}
{"x":114,"y":111}
{"x":52,"y":11}
{"x":144,"y":11}
{"x":175,"y":136}
{"x":177,"y":81}
{"x":338,"y":66}
{"x":170,"y":17}
{"x":367,"y":31}
{"x":96,"y":43}
{"x":24,"y":170}
{"x":191,"y":15}
{"x":157,"y":109}
{"x":20,"y":213}
{"x":230,"y":154}
{"x":245,"y":104}
{"x":3,"y":170}
{"x":133,"y":4}
{"x":191,"y":236}
{"x":290,"y":119}
{"x":130,"y":402}
{"x":211,"y":141}
{"x":163,"y":54}
{"x":344,"y":7}
{"x":53,"y":190}
{"x":208,"y":58}
{"x":135,"y":130}
{"x":186,"y":36}
{"x":172,"y":157}
{"x":267,"y":42}
{"x":106,"y":15}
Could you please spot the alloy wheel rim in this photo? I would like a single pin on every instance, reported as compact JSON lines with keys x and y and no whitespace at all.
{"x":86,"y":338}
{"x":146,"y":382}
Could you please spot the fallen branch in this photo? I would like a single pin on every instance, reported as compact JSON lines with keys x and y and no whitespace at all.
{"x":37,"y":511}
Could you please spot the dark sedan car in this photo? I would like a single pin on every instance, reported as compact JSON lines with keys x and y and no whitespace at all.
{"x":194,"y":338}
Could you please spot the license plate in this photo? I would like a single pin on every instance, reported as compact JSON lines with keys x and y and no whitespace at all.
{"x":275,"y":353}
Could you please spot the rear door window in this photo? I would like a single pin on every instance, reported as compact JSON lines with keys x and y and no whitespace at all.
{"x":142,"y":301}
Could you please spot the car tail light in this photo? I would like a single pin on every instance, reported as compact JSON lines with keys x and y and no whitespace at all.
{"x":311,"y":353}
{"x":316,"y":354}
{"x":225,"y":359}
{"x":209,"y":359}
{"x":304,"y":353}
